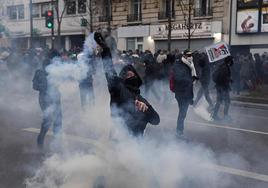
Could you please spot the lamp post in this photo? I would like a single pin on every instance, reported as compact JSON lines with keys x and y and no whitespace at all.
{"x":31,"y":23}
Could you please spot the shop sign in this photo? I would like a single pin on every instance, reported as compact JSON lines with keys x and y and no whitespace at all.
{"x":180,"y":30}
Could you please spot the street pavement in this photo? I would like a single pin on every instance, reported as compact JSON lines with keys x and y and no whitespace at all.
{"x":244,"y":139}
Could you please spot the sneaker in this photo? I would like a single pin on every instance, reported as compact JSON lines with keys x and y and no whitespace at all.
{"x":227,"y":118}
{"x":180,"y":135}
{"x":216,"y":118}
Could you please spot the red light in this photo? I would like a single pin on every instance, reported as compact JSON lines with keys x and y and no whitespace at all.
{"x":49,"y":13}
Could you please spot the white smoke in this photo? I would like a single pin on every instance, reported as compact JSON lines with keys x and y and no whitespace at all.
{"x":113,"y":156}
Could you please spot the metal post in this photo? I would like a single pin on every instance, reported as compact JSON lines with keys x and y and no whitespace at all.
{"x":31,"y":23}
{"x":52,"y":29}
{"x":189,"y":25}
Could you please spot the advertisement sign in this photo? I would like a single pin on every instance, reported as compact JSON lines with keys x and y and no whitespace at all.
{"x":247,"y":3}
{"x":247,"y":21}
{"x":217,"y":51}
{"x":179,"y":30}
{"x":264,"y":21}
{"x":265,"y":2}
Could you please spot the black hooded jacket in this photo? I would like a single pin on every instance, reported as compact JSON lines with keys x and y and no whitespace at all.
{"x":183,"y":81}
{"x":123,"y":96}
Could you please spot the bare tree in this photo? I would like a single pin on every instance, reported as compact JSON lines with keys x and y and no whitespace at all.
{"x":169,"y":24}
{"x":59,"y":16}
{"x":186,"y":10}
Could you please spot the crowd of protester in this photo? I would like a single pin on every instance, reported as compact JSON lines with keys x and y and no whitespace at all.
{"x":178,"y":70}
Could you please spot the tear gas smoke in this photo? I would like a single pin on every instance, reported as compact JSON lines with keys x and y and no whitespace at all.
{"x":112,"y":156}
{"x":120,"y":160}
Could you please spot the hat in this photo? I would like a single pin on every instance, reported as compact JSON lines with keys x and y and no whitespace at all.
{"x":187,"y":52}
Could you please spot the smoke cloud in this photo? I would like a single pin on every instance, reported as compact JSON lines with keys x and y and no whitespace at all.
{"x":111,"y":157}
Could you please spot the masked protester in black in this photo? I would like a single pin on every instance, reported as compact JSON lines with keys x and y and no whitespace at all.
{"x":49,"y":100}
{"x":222,"y":79}
{"x":204,"y":79}
{"x":126,"y":101}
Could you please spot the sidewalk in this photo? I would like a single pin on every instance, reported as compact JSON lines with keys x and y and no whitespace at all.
{"x":255,"y":99}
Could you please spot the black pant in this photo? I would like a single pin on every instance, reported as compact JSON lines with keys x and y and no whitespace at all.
{"x":203,"y":90}
{"x":52,"y":115}
{"x":222,"y":96}
{"x":183,"y":108}
{"x":86,"y":95}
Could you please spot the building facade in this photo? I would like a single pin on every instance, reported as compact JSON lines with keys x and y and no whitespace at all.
{"x":136,"y":24}
{"x":16,"y":17}
{"x":249,"y":26}
{"x":143,"y":24}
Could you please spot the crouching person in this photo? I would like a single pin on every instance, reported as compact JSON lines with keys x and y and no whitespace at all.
{"x":49,"y":101}
{"x":126,"y":101}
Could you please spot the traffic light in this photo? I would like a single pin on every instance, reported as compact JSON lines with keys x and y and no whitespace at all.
{"x":49,"y":19}
{"x":83,"y":22}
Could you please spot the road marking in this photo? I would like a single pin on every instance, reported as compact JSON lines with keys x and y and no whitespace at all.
{"x":221,"y":126}
{"x":228,"y":127}
{"x":243,"y":173}
{"x":70,"y":137}
{"x":224,"y":169}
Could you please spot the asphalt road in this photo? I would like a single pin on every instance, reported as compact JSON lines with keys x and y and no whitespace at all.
{"x":244,"y":139}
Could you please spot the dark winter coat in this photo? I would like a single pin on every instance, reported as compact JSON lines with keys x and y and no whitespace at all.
{"x":222,"y":77}
{"x":123,"y":98}
{"x":183,"y":81}
{"x":48,"y":94}
{"x":204,"y":76}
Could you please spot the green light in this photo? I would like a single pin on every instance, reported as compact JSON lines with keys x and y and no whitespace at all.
{"x":49,"y":25}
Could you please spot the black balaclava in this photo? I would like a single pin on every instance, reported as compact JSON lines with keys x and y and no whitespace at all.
{"x":133,"y":83}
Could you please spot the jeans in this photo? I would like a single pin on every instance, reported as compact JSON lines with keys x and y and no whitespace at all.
{"x":222,"y":96}
{"x":52,"y":115}
{"x":183,"y":108}
{"x":203,"y":90}
{"x":86,"y":95}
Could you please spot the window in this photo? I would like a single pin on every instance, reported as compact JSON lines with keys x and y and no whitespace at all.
{"x":82,"y":6}
{"x":166,"y":9}
{"x":36,"y":13}
{"x":136,"y":7}
{"x":12,"y":12}
{"x":135,"y":12}
{"x":202,"y":8}
{"x":21,"y":11}
{"x":15,"y":12}
{"x":135,"y":43}
{"x":71,"y":7}
{"x":105,"y":12}
{"x":131,"y":44}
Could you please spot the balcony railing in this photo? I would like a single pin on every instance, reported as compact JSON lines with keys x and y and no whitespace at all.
{"x":134,"y":17}
{"x":201,"y":12}
{"x":104,"y":19}
{"x":164,"y":15}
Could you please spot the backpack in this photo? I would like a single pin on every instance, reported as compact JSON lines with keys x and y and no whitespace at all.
{"x":40,"y":80}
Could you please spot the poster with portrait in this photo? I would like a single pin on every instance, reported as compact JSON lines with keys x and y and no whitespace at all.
{"x":217,"y":51}
{"x":247,"y":21}
{"x":264,"y":19}
{"x":247,"y":3}
{"x":264,"y":2}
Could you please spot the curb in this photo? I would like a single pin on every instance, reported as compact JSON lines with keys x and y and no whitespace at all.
{"x":250,"y":105}
{"x":251,"y":99}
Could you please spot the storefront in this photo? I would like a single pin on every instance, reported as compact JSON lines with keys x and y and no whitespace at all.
{"x":249,"y":26}
{"x":202,"y":34}
{"x":154,"y":37}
